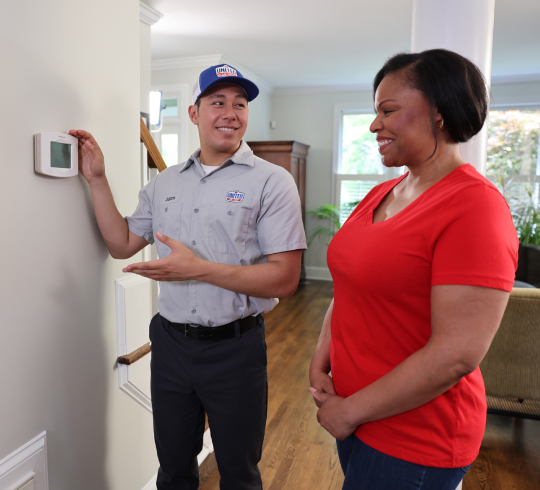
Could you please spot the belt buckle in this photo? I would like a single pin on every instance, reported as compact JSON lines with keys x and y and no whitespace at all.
{"x":186,"y":325}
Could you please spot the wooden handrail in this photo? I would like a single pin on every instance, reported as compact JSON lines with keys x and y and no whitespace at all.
{"x":135,"y":355}
{"x":155,"y":160}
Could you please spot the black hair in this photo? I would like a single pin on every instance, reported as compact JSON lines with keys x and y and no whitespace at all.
{"x":452,"y":84}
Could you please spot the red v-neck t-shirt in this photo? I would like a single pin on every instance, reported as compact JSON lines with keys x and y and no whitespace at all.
{"x":459,"y":231}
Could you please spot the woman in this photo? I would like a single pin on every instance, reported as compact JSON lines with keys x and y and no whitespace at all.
{"x":422,"y":271}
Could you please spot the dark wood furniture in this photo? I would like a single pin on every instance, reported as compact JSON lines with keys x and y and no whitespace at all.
{"x":291,"y":155}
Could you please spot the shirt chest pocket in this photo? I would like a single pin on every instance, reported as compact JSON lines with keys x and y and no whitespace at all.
{"x":228,"y":228}
{"x":168,"y":224}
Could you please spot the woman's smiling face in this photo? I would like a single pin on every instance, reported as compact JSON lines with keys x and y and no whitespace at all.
{"x":403,"y":123}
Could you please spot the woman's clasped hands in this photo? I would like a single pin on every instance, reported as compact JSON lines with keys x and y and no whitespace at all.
{"x":333,"y":413}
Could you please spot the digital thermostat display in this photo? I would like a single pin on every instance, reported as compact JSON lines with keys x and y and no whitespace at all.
{"x":56,"y":154}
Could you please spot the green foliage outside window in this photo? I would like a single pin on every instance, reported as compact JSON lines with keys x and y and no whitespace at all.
{"x":360,"y":150}
{"x":512,"y":162}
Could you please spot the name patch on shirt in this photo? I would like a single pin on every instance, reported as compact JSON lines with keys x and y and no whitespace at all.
{"x":226,"y":71}
{"x":170,"y":199}
{"x":235,"y":196}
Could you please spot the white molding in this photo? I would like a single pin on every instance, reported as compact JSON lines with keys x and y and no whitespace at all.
{"x":210,"y":60}
{"x":339,"y":110}
{"x":524,"y":78}
{"x":187,"y":62}
{"x":123,"y":369}
{"x":368,"y":87}
{"x":151,"y":485}
{"x":148,"y":15}
{"x":318,"y":273}
{"x":323,"y":89}
{"x":522,"y":105}
{"x":20,"y":464}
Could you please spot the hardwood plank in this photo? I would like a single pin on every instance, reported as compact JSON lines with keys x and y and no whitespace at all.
{"x":299,"y":455}
{"x":293,"y":436}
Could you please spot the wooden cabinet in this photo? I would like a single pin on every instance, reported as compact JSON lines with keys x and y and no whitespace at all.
{"x":291,"y":155}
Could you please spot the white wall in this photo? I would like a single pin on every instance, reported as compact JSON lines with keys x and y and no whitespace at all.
{"x":259,"y":109}
{"x":309,"y":119}
{"x":145,"y":42}
{"x":65,"y":65}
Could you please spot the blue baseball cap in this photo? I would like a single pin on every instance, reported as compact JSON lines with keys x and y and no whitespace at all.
{"x":223,"y":74}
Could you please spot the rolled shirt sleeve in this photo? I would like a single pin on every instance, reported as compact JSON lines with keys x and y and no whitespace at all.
{"x":279,"y":224}
{"x":140,"y":222}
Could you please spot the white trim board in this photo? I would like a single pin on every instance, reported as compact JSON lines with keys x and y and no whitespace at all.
{"x":31,"y":458}
{"x":318,"y":273}
{"x":523,"y":78}
{"x":151,"y":485}
{"x":121,"y":336}
{"x":368,"y":86}
{"x":210,"y":60}
{"x":148,"y":15}
{"x":323,"y":89}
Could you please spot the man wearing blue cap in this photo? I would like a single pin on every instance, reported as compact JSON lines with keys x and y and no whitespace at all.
{"x":229,"y":239}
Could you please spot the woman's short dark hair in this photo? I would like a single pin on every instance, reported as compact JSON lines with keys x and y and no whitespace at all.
{"x":451,"y":83}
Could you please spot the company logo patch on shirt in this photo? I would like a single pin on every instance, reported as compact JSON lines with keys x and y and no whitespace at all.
{"x":235,"y":196}
{"x":170,"y":199}
{"x":226,"y":71}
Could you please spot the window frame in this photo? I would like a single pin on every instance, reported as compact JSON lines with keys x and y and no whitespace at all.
{"x":177,"y":124}
{"x":341,"y":110}
{"x":523,"y":106}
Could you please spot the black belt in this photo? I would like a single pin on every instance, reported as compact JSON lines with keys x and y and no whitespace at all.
{"x":228,"y":331}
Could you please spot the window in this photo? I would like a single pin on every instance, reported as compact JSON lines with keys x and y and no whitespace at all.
{"x":357,"y":163}
{"x":172,"y":139}
{"x":513,"y":164}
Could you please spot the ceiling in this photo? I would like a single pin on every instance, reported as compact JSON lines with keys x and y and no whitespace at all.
{"x":332,"y":42}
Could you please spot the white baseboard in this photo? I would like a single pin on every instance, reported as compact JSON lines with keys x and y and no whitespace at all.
{"x":29,"y":459}
{"x":151,"y":485}
{"x":320,"y":273}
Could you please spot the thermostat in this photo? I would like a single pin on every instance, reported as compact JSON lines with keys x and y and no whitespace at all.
{"x":56,"y":154}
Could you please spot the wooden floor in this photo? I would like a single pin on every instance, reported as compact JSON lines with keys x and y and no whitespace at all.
{"x":299,"y":455}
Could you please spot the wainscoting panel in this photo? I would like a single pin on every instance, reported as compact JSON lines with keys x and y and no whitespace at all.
{"x":26,"y":468}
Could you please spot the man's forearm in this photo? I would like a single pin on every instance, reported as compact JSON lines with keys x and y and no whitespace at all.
{"x":112,"y":225}
{"x":270,"y":280}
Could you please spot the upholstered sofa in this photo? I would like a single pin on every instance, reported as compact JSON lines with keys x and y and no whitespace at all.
{"x":511,"y":368}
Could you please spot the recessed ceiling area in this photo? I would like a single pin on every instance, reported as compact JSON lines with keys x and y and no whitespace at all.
{"x":298,"y":42}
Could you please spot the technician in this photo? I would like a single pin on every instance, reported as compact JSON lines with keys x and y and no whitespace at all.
{"x":229,"y":239}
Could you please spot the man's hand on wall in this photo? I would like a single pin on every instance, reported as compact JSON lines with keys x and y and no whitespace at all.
{"x":181,"y":265}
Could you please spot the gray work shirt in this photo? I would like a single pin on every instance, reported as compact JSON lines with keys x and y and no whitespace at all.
{"x":244,"y":210}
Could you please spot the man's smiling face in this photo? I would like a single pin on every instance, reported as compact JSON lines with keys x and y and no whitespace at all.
{"x":222,"y":118}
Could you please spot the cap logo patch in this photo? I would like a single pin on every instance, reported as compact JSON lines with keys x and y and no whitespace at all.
{"x":235,"y":196}
{"x":226,"y":71}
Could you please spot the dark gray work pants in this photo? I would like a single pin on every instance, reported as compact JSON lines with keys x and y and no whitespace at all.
{"x":227,"y":380}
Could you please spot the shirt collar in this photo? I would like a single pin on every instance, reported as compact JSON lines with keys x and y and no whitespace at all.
{"x":243,"y":156}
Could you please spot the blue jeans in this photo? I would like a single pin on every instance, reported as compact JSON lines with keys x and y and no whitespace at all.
{"x":366,"y":468}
